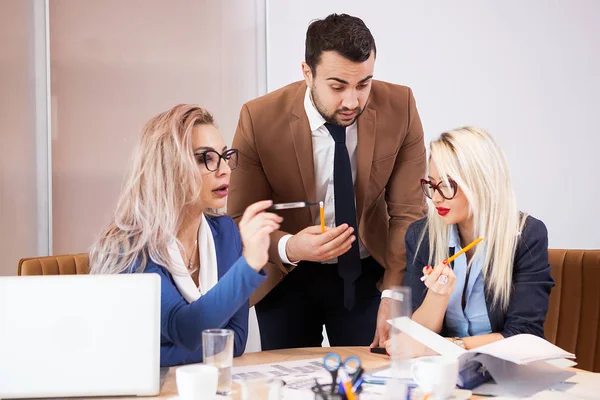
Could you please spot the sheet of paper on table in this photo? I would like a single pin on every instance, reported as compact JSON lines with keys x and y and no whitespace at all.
{"x":299,"y":377}
{"x":311,"y":368}
{"x":581,"y":386}
{"x":517,"y":364}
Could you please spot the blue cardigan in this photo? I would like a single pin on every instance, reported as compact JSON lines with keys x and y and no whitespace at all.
{"x":226,"y":305}
{"x":531,"y":286}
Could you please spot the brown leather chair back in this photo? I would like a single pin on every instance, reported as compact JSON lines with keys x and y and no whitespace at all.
{"x":67,"y":264}
{"x":573,"y":319}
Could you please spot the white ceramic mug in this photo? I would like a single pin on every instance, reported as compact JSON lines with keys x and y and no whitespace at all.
{"x":197,"y":381}
{"x":436,"y":375}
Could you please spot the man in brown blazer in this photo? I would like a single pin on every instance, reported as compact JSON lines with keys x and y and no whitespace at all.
{"x":355,"y":144}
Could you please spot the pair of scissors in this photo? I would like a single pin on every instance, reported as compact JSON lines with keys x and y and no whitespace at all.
{"x":333,"y":362}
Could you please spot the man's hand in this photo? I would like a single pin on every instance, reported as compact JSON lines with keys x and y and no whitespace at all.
{"x":382,"y":330}
{"x":311,"y":245}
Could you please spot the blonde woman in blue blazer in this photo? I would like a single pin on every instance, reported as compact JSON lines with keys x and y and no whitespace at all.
{"x":165,"y":223}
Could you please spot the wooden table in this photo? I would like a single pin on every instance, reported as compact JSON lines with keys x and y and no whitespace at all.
{"x":369,"y":361}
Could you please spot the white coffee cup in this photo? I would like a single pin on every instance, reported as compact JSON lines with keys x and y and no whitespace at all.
{"x":436,"y":375}
{"x":197,"y":381}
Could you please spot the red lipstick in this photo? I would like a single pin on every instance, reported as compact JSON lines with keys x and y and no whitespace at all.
{"x":442,"y":211}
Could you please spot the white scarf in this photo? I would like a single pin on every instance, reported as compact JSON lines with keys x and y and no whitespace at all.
{"x":209,"y":274}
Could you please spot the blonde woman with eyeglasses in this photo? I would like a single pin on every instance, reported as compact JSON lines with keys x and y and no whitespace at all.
{"x":500,"y":287}
{"x":165,"y":223}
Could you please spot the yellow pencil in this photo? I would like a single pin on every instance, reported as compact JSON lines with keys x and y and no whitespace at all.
{"x":322,"y":214}
{"x":452,"y":258}
{"x":467,"y":248}
{"x":350,"y":395}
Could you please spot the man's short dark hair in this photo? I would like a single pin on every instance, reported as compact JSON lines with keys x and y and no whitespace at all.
{"x":347,"y":35}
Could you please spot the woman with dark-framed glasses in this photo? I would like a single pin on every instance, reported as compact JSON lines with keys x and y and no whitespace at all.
{"x":500,"y":287}
{"x":165,"y":223}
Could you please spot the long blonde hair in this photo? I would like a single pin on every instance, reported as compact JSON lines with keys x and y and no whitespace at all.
{"x":163,"y":180}
{"x":471,"y":158}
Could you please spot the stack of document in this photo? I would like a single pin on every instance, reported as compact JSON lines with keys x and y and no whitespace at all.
{"x":521,"y":365}
{"x":581,"y":386}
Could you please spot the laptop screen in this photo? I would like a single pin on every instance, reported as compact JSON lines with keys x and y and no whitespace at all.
{"x":80,"y":335}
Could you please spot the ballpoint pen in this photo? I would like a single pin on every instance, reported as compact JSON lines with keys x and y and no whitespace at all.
{"x":286,"y":206}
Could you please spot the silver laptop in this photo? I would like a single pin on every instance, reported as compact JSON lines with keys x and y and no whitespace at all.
{"x":79,"y":335}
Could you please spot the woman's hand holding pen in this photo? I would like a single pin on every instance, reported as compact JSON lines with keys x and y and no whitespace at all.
{"x":441,"y":283}
{"x":441,"y":280}
{"x":311,"y":245}
{"x":256,"y":227}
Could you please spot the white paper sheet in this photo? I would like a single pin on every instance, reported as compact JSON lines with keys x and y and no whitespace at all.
{"x":523,"y":349}
{"x":523,"y":380}
{"x":581,"y":386}
{"x":562,"y":363}
{"x":311,"y":368}
{"x":519,"y":349}
{"x":427,"y":337}
{"x":517,"y":364}
{"x":383,"y":375}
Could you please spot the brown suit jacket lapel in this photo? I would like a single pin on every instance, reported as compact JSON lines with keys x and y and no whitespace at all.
{"x":366,"y":144}
{"x":301,"y":136}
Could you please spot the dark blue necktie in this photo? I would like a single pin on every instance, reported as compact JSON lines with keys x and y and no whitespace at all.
{"x":349,"y":267}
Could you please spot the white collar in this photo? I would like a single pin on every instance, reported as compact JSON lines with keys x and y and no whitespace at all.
{"x":209,"y":272}
{"x":315,"y":119}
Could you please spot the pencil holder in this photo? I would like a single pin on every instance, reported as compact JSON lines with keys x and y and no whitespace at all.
{"x":324,"y":393}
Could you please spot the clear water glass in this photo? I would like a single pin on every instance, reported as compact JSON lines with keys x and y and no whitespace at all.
{"x":217,"y":350}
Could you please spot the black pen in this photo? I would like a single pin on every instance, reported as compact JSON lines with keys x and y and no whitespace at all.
{"x":357,"y":375}
{"x":378,"y":350}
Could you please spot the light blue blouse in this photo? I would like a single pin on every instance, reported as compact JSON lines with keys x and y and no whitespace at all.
{"x":473,"y":320}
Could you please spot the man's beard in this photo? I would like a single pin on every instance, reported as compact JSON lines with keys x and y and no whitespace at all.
{"x":331,"y":118}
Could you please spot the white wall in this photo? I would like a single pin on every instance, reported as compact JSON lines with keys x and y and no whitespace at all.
{"x":529,"y":72}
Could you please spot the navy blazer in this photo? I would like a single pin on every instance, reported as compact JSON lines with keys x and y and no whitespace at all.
{"x":531,"y":287}
{"x":226,"y":305}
